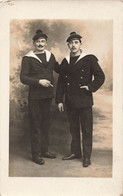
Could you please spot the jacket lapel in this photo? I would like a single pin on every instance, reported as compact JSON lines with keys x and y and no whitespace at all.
{"x":76,"y":65}
{"x":81,"y":56}
{"x":48,"y":55}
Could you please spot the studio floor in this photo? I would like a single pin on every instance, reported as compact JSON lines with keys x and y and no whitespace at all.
{"x":21,"y":165}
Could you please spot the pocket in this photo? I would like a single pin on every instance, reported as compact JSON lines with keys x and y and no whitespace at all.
{"x":85,"y":92}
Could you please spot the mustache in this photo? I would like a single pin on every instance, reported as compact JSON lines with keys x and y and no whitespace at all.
{"x":40,"y":46}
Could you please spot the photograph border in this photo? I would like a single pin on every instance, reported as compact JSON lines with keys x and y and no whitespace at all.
{"x":18,"y":186}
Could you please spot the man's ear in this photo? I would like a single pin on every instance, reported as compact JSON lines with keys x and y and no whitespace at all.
{"x":80,"y":44}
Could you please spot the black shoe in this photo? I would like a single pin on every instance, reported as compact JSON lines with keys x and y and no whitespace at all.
{"x":71,"y":157}
{"x":86,"y":162}
{"x":38,"y":160}
{"x":49,"y":155}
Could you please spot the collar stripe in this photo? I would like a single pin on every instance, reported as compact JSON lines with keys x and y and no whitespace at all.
{"x":32,"y":54}
{"x":80,"y":57}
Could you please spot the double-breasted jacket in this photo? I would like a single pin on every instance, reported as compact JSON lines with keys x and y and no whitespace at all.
{"x":84,"y":72}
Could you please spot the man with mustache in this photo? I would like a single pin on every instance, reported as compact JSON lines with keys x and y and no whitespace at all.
{"x":37,"y":72}
{"x":81,"y":76}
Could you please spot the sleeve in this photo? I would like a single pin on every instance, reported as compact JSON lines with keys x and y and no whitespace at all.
{"x":25,"y":77}
{"x":59,"y":90}
{"x":55,"y":64}
{"x":98,"y":74}
{"x":58,"y":68}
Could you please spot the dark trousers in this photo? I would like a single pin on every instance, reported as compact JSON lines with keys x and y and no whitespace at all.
{"x":39,"y":114}
{"x":84,"y":118}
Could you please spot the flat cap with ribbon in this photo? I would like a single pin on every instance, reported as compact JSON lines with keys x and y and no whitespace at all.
{"x":39,"y":34}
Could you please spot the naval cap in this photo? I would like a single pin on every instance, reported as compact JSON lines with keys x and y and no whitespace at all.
{"x":74,"y":35}
{"x":39,"y":34}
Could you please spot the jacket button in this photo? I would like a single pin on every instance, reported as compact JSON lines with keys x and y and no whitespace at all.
{"x":82,"y":69}
{"x":68,"y":84}
{"x":81,"y":77}
{"x":65,"y":76}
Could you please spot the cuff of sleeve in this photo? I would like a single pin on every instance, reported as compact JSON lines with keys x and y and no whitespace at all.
{"x":90,"y":88}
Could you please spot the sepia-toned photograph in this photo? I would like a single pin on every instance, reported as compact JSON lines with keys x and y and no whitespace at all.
{"x":60,"y":98}
{"x":61,"y":108}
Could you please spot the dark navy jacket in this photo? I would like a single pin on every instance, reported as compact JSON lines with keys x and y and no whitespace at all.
{"x":32,"y":70}
{"x":85,"y":72}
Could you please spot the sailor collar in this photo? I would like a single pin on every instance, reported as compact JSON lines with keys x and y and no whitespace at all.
{"x":32,"y":54}
{"x":80,"y":57}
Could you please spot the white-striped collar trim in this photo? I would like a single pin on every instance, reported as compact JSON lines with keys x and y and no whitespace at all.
{"x":32,"y":54}
{"x":80,"y":57}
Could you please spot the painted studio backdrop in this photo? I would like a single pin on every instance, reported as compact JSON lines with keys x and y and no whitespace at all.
{"x":98,"y":40}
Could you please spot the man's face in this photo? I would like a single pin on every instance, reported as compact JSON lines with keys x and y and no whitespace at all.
{"x":74,"y":45}
{"x":40,"y":44}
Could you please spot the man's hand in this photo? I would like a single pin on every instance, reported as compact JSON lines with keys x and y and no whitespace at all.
{"x":45,"y":83}
{"x":61,"y":107}
{"x":86,"y":87}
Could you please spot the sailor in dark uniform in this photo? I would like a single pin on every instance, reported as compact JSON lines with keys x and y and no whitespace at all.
{"x":37,"y":72}
{"x":81,"y":76}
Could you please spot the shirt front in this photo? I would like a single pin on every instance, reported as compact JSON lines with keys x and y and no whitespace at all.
{"x":42,"y":57}
{"x":73,"y":59}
